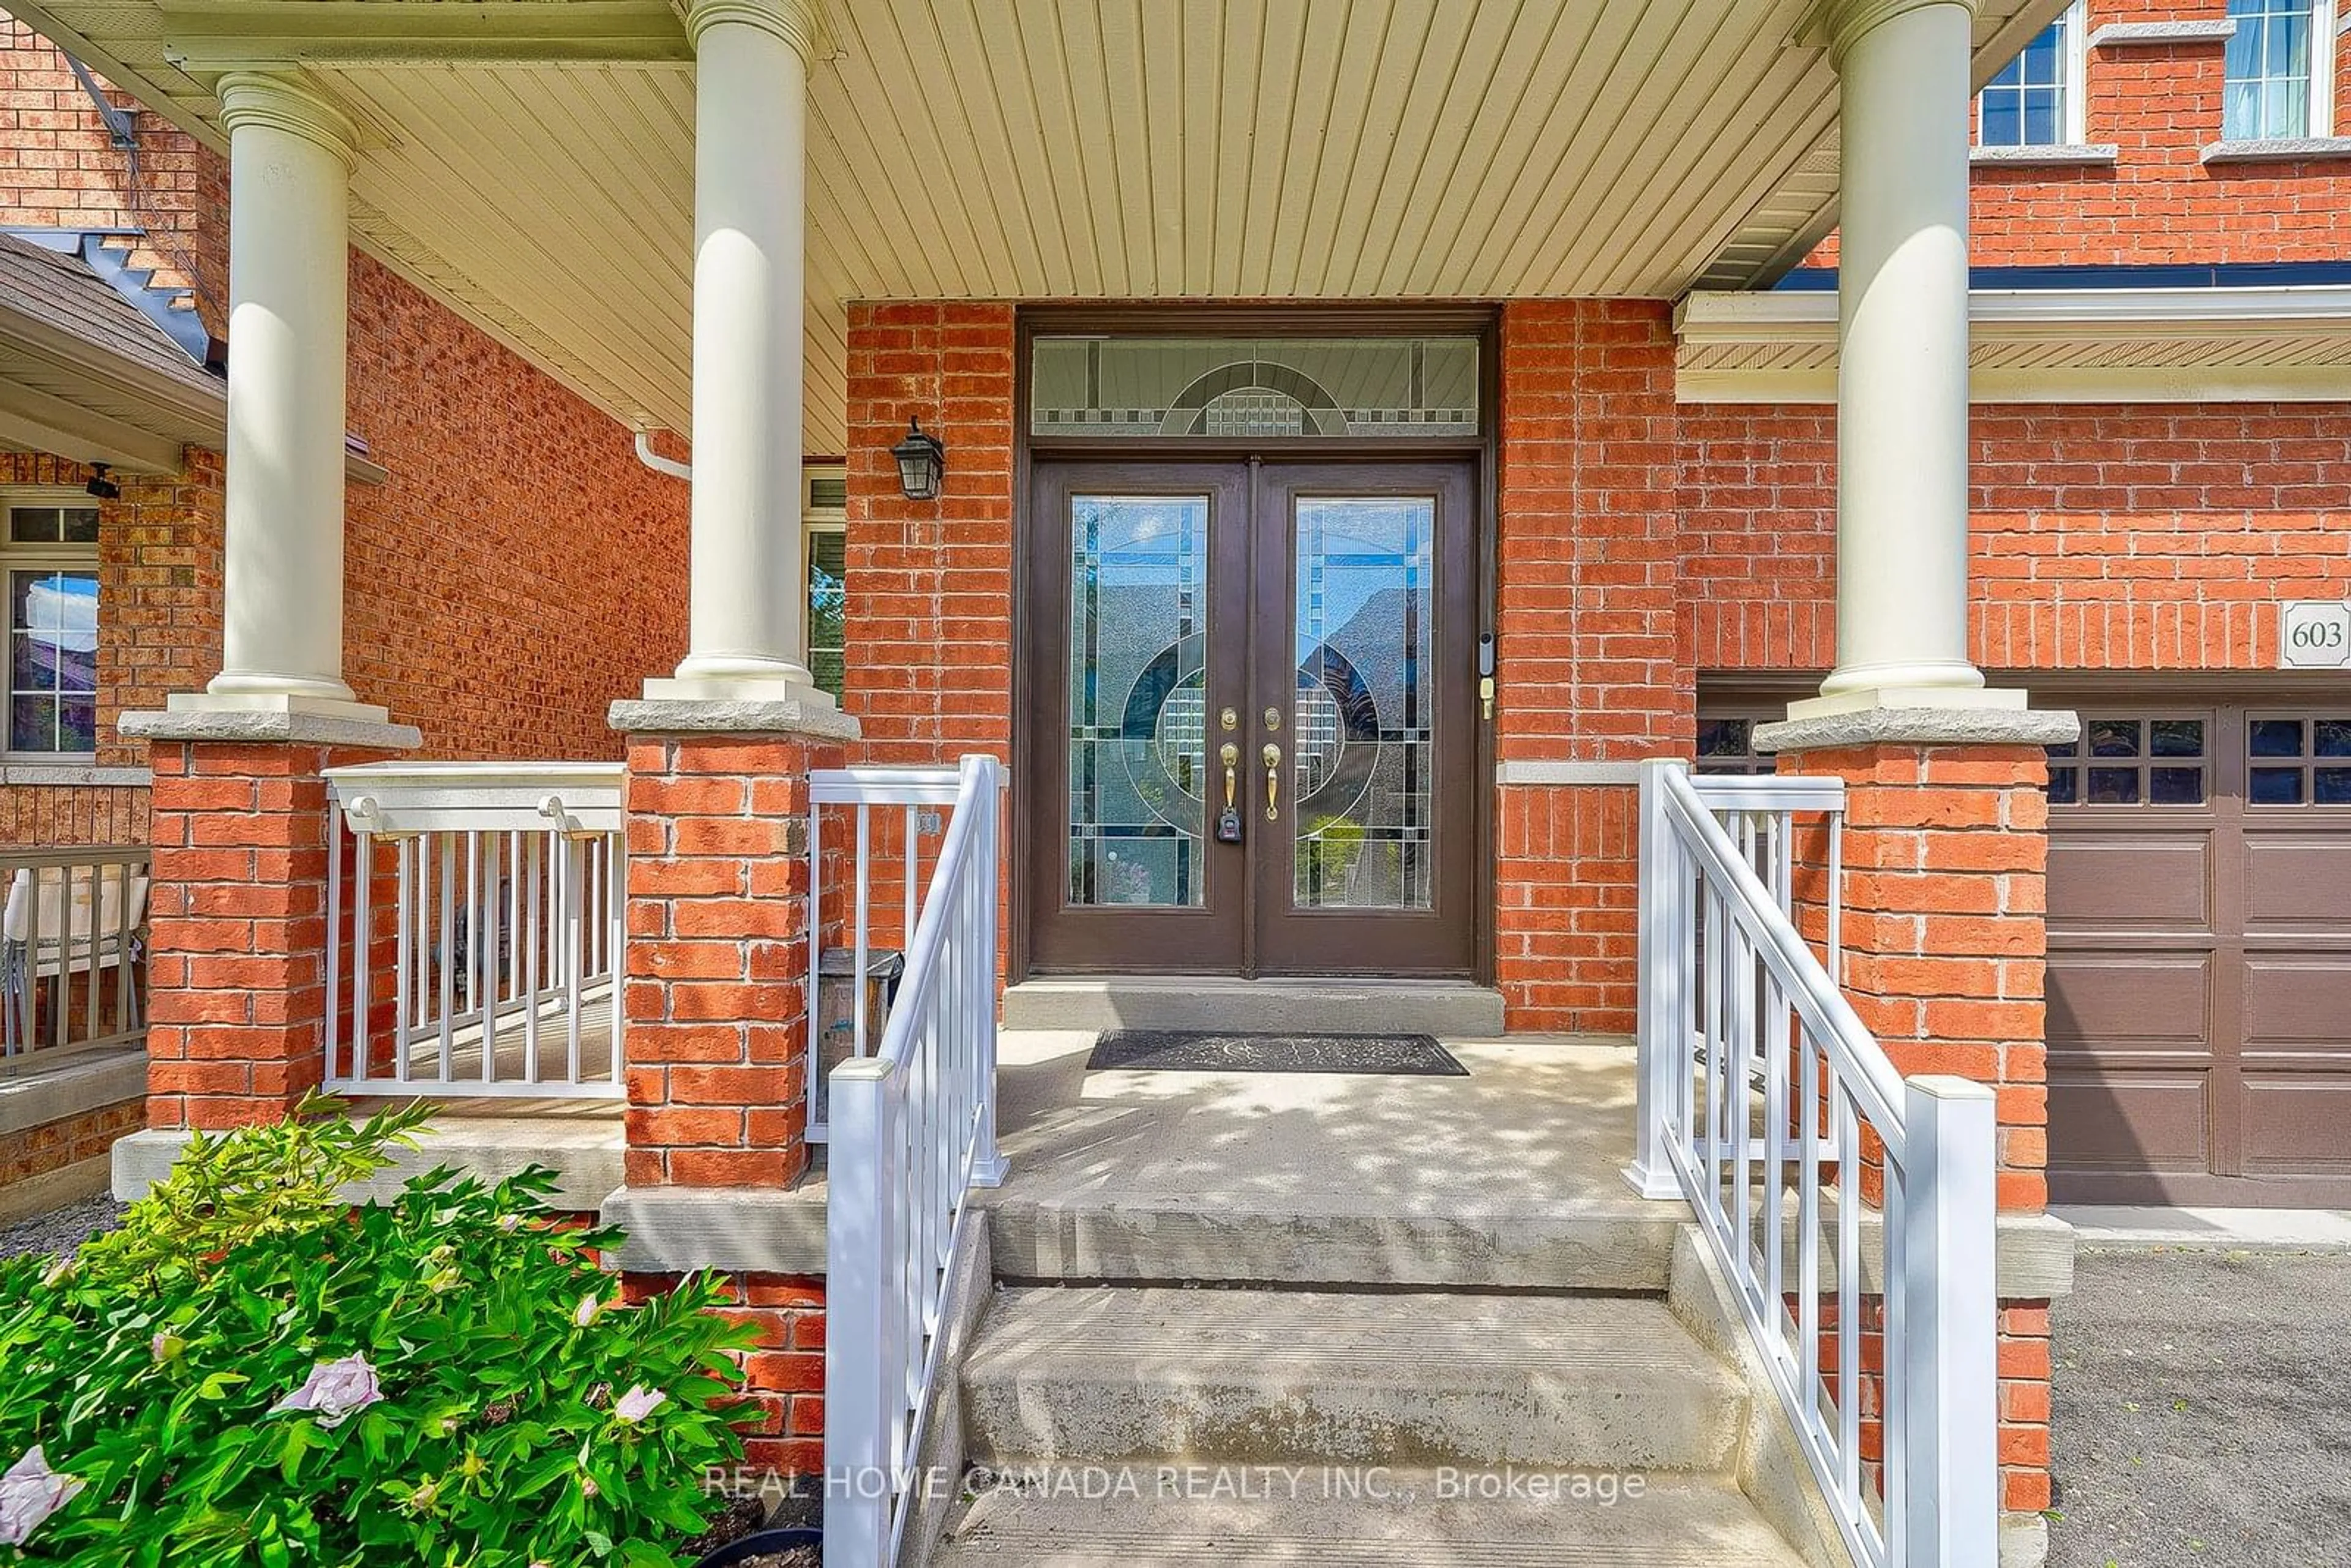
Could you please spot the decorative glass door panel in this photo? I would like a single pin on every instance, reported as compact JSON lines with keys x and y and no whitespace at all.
{"x":1253,"y":745}
{"x":1366,"y":580}
{"x":1138,"y":666}
{"x":1136,"y":644}
{"x":1363,"y":728}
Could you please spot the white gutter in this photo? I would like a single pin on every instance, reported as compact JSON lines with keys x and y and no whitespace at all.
{"x":656,"y":462}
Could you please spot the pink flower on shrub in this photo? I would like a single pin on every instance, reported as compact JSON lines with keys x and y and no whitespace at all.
{"x":29,"y":1492}
{"x":336,"y":1391}
{"x":637,"y":1404}
{"x":589,"y":1308}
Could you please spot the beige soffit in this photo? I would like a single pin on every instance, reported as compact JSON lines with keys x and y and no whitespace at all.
{"x":531,"y":161}
{"x":2102,"y":345}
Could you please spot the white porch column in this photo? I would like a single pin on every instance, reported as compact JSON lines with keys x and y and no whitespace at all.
{"x":1902,"y":363}
{"x":749,"y":198}
{"x":291,"y":154}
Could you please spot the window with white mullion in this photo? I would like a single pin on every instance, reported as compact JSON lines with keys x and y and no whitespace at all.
{"x":2279,"y":70}
{"x":2038,"y":100}
{"x":49,"y":564}
{"x":824,"y":521}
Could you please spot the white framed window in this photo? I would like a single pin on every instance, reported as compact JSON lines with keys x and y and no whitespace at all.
{"x":49,"y":557}
{"x":2038,"y":100}
{"x":824,"y":523}
{"x":2279,"y":70}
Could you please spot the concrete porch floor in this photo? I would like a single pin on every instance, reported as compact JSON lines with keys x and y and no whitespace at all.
{"x":1508,"y":1177}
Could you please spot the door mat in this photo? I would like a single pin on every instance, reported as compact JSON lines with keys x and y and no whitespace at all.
{"x":1194,"y":1050}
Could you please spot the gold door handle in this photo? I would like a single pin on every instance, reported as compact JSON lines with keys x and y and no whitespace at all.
{"x":1230,"y":756}
{"x":1272,"y":782}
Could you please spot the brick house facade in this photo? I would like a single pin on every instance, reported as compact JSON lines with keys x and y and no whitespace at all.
{"x":1661,"y":553}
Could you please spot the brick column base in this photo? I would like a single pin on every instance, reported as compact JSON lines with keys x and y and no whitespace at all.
{"x":782,"y":1411}
{"x":236,"y":957}
{"x":1945,"y":925}
{"x":713,"y":1009}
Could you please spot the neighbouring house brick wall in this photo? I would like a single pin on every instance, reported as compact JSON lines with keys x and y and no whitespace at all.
{"x":1590,"y":668}
{"x":159,"y":569}
{"x":518,"y":570}
{"x":59,"y":170}
{"x":2159,"y":107}
{"x":69,"y":1140}
{"x":2140,"y":537}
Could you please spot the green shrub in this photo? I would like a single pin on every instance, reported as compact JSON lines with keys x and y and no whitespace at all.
{"x":253,"y":1372}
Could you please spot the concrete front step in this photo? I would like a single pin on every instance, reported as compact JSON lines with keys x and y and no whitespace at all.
{"x":1105,"y":1374}
{"x":1315,"y":1235}
{"x":1453,"y":1010}
{"x":1673,"y":1522}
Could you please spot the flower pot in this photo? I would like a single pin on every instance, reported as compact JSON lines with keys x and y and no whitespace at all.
{"x":760,"y":1542}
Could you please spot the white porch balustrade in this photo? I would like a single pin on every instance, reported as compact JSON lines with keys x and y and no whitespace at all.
{"x":474,"y":916}
{"x":1758,"y":1090}
{"x":912,"y":1133}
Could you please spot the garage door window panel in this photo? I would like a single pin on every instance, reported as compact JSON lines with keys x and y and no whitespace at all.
{"x":2133,"y":762}
{"x":2298,"y":759}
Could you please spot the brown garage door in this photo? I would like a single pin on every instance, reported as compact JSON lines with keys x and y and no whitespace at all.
{"x":2199,"y":953}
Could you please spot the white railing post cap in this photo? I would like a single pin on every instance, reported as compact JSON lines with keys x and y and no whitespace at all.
{"x":875,"y":1069}
{"x":1947,"y":1086}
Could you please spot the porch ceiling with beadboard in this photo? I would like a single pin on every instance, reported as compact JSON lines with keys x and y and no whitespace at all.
{"x":530,"y":161}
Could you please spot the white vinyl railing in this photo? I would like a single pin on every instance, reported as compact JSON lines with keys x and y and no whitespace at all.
{"x":913,"y":1131}
{"x":1757,"y":1082}
{"x":476,"y":912}
{"x":844,"y":1020}
{"x":1761,"y":812}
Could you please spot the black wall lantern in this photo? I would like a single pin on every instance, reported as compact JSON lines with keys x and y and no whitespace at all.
{"x":922,"y":463}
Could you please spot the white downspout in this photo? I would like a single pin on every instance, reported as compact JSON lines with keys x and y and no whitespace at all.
{"x":659,"y":463}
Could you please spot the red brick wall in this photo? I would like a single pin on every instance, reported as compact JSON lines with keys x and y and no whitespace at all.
{"x":59,"y":170}
{"x":2105,"y":536}
{"x":783,"y":1374}
{"x":67,"y":1141}
{"x":930,"y":583}
{"x":717,"y":954}
{"x":520,"y":569}
{"x":237,"y":934}
{"x":2158,"y":201}
{"x":1589,"y":662}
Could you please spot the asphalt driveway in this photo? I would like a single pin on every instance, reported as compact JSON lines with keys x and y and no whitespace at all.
{"x":2203,"y":1410}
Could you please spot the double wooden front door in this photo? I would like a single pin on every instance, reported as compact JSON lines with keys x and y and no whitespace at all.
{"x":1253,"y":735}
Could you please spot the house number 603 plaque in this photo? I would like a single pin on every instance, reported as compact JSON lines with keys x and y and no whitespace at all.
{"x":2314,"y":634}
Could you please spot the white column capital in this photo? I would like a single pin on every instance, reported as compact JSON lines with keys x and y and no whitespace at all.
{"x":1838,"y":24}
{"x":799,"y":23}
{"x":288,"y":104}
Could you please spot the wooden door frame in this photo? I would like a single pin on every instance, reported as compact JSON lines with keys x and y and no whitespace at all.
{"x":1176,"y":319}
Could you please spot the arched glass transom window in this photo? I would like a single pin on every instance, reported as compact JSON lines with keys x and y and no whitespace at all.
{"x":1240,"y":387}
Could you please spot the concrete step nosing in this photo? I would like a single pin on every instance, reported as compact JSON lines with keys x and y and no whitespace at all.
{"x":1457,"y":1010}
